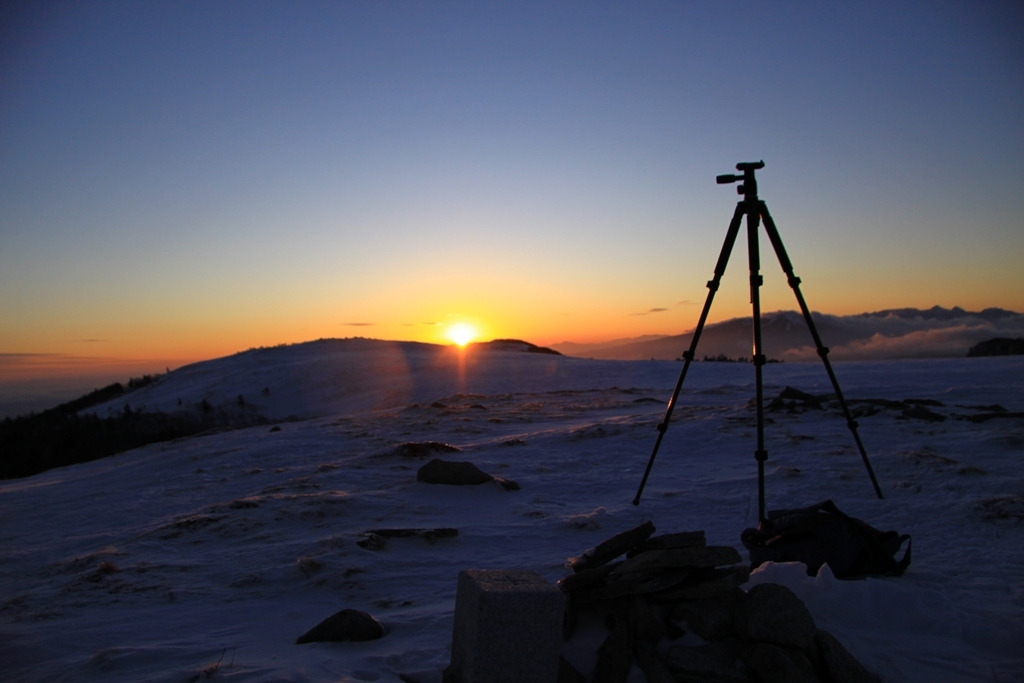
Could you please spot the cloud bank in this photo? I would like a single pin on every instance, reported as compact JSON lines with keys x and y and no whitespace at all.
{"x":898,"y":333}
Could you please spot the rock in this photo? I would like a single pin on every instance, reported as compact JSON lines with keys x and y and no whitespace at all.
{"x":791,"y":394}
{"x":709,"y":663}
{"x":712,"y":583}
{"x":829,"y":655}
{"x":991,"y":408}
{"x":705,"y":556}
{"x":766,"y":634}
{"x":655,"y":670}
{"x":567,"y":673}
{"x":348,"y":624}
{"x":416,"y":677}
{"x":308,"y":566}
{"x":507,"y":484}
{"x":454,"y":473}
{"x":647,"y":625}
{"x":919,"y":412}
{"x":775,"y":664}
{"x":589,"y":578}
{"x":423,"y":449}
{"x":635,"y":583}
{"x":615,"y":656}
{"x":683,"y":539}
{"x":772,"y":613}
{"x":613,"y":547}
{"x":711,"y":618}
{"x":377,"y":539}
{"x":985,"y":417}
{"x":876,"y":403}
{"x":931,"y":402}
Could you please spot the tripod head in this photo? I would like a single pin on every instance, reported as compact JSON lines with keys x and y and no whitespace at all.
{"x":749,"y":186}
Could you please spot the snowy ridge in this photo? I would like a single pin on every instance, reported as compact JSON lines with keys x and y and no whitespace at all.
{"x":206,"y":557}
{"x":332,"y":376}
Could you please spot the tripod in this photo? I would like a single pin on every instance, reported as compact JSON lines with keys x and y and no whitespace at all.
{"x":755,"y":210}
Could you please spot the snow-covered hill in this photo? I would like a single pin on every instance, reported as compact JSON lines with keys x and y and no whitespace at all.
{"x":206,"y":557}
{"x":332,"y":376}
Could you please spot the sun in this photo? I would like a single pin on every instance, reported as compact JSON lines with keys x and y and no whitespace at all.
{"x":461,"y":333}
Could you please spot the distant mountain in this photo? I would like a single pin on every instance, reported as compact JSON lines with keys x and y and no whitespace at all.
{"x":894,"y":333}
{"x":940,"y":313}
{"x":586,"y":350}
{"x":997,"y":347}
{"x":515,"y":346}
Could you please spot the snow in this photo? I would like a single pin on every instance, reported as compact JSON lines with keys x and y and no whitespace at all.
{"x":206,"y":557}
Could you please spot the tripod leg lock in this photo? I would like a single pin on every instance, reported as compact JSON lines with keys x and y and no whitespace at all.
{"x":756,"y":280}
{"x":761,"y":455}
{"x":663,"y":426}
{"x":688,"y":354}
{"x":760,"y":359}
{"x":822,"y":351}
{"x":713,"y":285}
{"x":794,"y":281}
{"x":852,"y":424}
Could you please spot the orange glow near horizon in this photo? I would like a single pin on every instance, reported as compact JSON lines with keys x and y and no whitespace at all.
{"x":448,"y":310}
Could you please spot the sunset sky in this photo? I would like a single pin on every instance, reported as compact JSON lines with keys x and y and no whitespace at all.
{"x":184,"y":180}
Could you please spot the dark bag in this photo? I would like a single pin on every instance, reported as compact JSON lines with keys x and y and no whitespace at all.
{"x":821,"y":533}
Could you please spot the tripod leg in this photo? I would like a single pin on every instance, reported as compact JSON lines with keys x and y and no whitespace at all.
{"x":759,"y":359}
{"x":723,"y":261}
{"x":794,"y":283}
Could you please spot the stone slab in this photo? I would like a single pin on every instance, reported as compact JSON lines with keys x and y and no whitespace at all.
{"x":608,"y":550}
{"x":508,"y":628}
{"x":674,"y":558}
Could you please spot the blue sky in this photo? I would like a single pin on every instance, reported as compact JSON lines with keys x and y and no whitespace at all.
{"x":185,"y":180}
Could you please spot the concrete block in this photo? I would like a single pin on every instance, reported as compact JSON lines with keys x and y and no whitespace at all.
{"x":508,"y":628}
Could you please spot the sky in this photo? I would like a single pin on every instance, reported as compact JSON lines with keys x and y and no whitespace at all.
{"x":186,"y":180}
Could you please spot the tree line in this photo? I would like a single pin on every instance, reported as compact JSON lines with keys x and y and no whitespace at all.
{"x":61,"y":436}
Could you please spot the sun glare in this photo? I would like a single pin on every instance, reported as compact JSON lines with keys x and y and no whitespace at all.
{"x":462,"y":333}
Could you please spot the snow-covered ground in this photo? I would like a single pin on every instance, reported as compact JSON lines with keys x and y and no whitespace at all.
{"x":206,"y":557}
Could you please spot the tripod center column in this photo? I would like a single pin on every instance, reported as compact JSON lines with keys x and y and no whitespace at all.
{"x":753,"y":224}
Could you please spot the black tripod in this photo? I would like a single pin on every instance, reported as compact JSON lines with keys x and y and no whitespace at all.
{"x":755,"y":210}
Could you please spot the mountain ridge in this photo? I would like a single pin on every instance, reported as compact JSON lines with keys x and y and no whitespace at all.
{"x":895,"y":333}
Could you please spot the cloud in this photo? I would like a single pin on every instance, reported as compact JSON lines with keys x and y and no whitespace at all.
{"x":931,"y":339}
{"x":652,"y":310}
{"x":359,"y":324}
